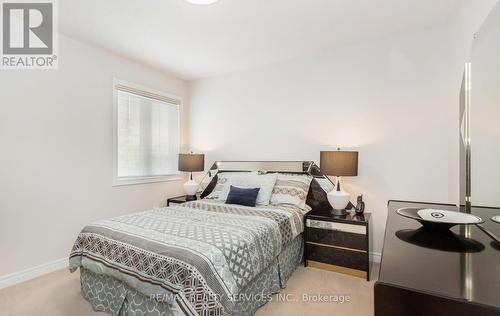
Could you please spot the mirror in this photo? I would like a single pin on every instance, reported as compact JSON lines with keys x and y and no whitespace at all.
{"x":485,"y":113}
{"x":465,"y":151}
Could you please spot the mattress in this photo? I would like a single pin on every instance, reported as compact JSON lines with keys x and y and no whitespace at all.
{"x":108,"y":294}
{"x":198,"y":257}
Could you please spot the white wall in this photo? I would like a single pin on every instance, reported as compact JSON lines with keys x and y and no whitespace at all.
{"x":485,"y":112}
{"x":466,"y":21}
{"x":56,"y":153}
{"x":389,"y":100}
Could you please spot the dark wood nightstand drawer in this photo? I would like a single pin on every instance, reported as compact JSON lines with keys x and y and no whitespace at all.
{"x":338,"y":243}
{"x":337,"y":256}
{"x":337,"y":238}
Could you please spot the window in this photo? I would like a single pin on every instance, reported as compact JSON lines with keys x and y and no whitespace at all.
{"x":146,"y":135}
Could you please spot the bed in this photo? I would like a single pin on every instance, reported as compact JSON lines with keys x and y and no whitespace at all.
{"x":203,"y":257}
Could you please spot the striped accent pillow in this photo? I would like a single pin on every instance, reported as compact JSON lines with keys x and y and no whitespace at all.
{"x":291,"y":189}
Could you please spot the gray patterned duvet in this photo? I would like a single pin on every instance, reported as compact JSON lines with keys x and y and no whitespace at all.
{"x":198,"y":257}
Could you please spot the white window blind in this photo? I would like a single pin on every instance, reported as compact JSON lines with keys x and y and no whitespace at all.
{"x":147,"y":134}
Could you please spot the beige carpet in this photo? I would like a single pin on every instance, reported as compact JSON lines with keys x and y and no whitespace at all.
{"x":58,"y":294}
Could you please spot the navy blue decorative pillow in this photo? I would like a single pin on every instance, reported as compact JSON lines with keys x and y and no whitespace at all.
{"x":240,"y":196}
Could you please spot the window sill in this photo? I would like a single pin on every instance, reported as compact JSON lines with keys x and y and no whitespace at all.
{"x":144,"y":180}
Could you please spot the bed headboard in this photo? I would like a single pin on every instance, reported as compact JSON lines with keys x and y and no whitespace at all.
{"x":276,"y":166}
{"x":317,"y":192}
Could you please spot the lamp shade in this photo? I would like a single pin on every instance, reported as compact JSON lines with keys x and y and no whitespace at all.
{"x":339,"y":163}
{"x":191,"y":162}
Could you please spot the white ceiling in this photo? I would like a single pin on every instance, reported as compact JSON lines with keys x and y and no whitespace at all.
{"x":202,"y":41}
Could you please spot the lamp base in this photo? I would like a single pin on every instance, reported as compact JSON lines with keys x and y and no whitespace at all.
{"x":191,"y":187}
{"x":338,"y":199}
{"x":191,"y":198}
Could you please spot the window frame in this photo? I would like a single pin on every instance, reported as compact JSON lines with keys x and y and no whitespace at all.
{"x":120,"y":181}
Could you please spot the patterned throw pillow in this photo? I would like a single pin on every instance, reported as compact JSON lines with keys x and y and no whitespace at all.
{"x":291,"y":189}
{"x":265,"y":182}
{"x":223,"y":183}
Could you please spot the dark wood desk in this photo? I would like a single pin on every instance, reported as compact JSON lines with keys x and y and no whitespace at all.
{"x":423,"y":273}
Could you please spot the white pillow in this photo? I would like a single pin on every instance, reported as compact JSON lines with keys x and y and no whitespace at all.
{"x":253,"y":180}
{"x":291,"y":189}
{"x":223,"y":179}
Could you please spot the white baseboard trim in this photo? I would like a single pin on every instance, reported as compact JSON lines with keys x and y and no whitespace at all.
{"x":375,"y":256}
{"x":31,"y":273}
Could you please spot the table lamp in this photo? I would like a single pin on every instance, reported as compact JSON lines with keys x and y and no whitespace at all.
{"x":339,"y":164}
{"x":191,"y":163}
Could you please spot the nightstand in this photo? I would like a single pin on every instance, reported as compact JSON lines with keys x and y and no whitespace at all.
{"x":338,"y":243}
{"x":180,"y":199}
